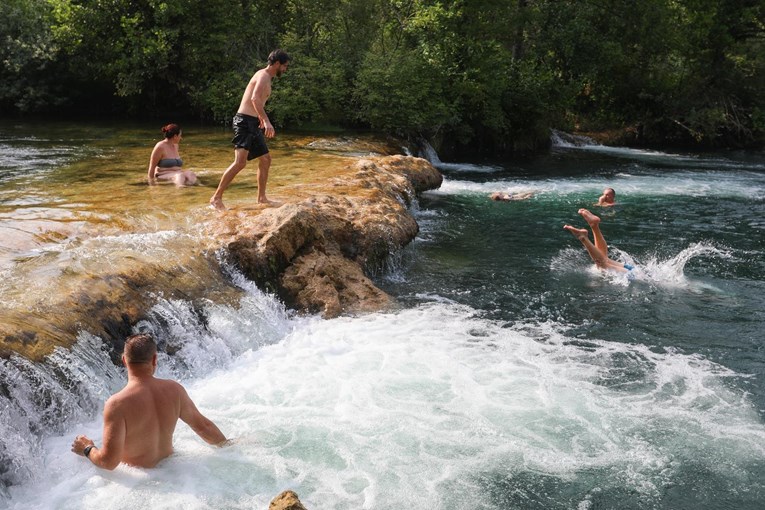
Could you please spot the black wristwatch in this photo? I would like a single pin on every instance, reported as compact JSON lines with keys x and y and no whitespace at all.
{"x":86,"y":451}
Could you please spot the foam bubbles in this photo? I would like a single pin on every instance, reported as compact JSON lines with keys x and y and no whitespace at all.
{"x":436,"y":406}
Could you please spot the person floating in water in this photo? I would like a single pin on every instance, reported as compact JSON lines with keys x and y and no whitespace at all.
{"x":608,"y":198}
{"x":165,"y":162}
{"x":251,"y":123}
{"x":598,"y":251}
{"x":501,"y":196}
{"x":139,"y":420}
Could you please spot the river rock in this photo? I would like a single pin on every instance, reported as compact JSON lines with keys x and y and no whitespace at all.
{"x":287,"y":500}
{"x":315,"y":251}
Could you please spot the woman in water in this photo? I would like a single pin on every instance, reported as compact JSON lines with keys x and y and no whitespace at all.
{"x":165,"y":162}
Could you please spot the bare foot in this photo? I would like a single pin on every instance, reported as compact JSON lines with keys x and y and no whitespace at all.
{"x":579,"y":233}
{"x":264,"y":200}
{"x":590,"y":218}
{"x":217,"y":204}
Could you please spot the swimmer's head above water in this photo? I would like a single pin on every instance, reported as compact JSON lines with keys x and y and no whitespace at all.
{"x":608,"y":197}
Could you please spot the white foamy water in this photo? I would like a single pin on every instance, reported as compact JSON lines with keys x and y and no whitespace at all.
{"x":429,"y":153}
{"x":725,"y":184}
{"x":661,"y":158}
{"x":419,"y":408}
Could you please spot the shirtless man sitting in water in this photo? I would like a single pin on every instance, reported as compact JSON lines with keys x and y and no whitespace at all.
{"x":140,"y":419}
{"x":598,"y":251}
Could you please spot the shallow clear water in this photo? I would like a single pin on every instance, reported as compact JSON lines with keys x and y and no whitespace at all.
{"x":514,"y":375}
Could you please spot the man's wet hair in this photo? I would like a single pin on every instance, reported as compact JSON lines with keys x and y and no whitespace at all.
{"x":140,"y":348}
{"x":278,"y":55}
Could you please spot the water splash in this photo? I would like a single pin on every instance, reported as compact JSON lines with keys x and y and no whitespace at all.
{"x":40,"y":399}
{"x":671,"y":272}
{"x":566,"y":141}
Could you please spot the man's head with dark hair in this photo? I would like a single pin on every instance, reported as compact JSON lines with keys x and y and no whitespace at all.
{"x":139,"y":349}
{"x":278,"y":55}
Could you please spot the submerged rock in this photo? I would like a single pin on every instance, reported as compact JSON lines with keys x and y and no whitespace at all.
{"x":287,"y":500}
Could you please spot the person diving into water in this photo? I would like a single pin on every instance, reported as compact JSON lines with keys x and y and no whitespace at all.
{"x":598,"y":251}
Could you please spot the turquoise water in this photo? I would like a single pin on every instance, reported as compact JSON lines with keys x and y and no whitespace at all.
{"x":514,"y":374}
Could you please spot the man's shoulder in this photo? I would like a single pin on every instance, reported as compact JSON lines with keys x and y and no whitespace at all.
{"x":137,"y":390}
{"x":262,"y":74}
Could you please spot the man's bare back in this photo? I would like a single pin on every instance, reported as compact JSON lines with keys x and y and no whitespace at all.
{"x":148,"y":435}
{"x":258,"y":90}
{"x":140,"y":419}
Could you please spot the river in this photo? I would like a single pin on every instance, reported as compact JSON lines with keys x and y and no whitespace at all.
{"x":513,"y":375}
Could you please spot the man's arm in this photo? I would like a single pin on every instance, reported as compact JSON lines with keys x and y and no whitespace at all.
{"x":204,"y":428}
{"x":110,"y":454}
{"x":153,"y":162}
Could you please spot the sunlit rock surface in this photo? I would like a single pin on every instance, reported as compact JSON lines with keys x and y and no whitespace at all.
{"x":314,"y":253}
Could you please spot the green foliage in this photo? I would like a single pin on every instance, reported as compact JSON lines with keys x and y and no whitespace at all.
{"x":27,"y":52}
{"x":485,"y":75}
{"x":401,"y":94}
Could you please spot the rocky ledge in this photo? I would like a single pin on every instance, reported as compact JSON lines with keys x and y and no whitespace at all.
{"x":314,"y":251}
{"x":315,"y":254}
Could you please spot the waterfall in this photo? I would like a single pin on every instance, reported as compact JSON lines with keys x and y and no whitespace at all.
{"x":428,"y":152}
{"x":561,"y":139}
{"x":70,"y":386}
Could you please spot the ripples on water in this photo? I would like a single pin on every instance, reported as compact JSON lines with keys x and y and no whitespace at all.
{"x":514,"y":376}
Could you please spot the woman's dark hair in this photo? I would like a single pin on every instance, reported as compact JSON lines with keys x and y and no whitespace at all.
{"x":171,"y":130}
{"x":278,"y":55}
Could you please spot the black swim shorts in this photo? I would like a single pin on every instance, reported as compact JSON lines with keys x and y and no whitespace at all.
{"x":248,"y":135}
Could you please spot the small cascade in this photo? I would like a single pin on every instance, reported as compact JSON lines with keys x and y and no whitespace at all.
{"x":428,"y":152}
{"x":70,"y":386}
{"x":567,"y":140}
{"x":672,"y":271}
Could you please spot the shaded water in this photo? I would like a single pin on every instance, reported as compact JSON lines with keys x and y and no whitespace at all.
{"x":513,"y":376}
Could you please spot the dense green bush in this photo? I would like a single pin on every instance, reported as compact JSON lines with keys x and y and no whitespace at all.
{"x":473,"y":75}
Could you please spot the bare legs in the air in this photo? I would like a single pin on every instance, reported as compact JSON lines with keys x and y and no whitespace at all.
{"x":598,"y":251}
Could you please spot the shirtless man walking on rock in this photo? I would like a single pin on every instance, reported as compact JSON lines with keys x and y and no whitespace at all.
{"x":140,"y":419}
{"x":250,"y":124}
